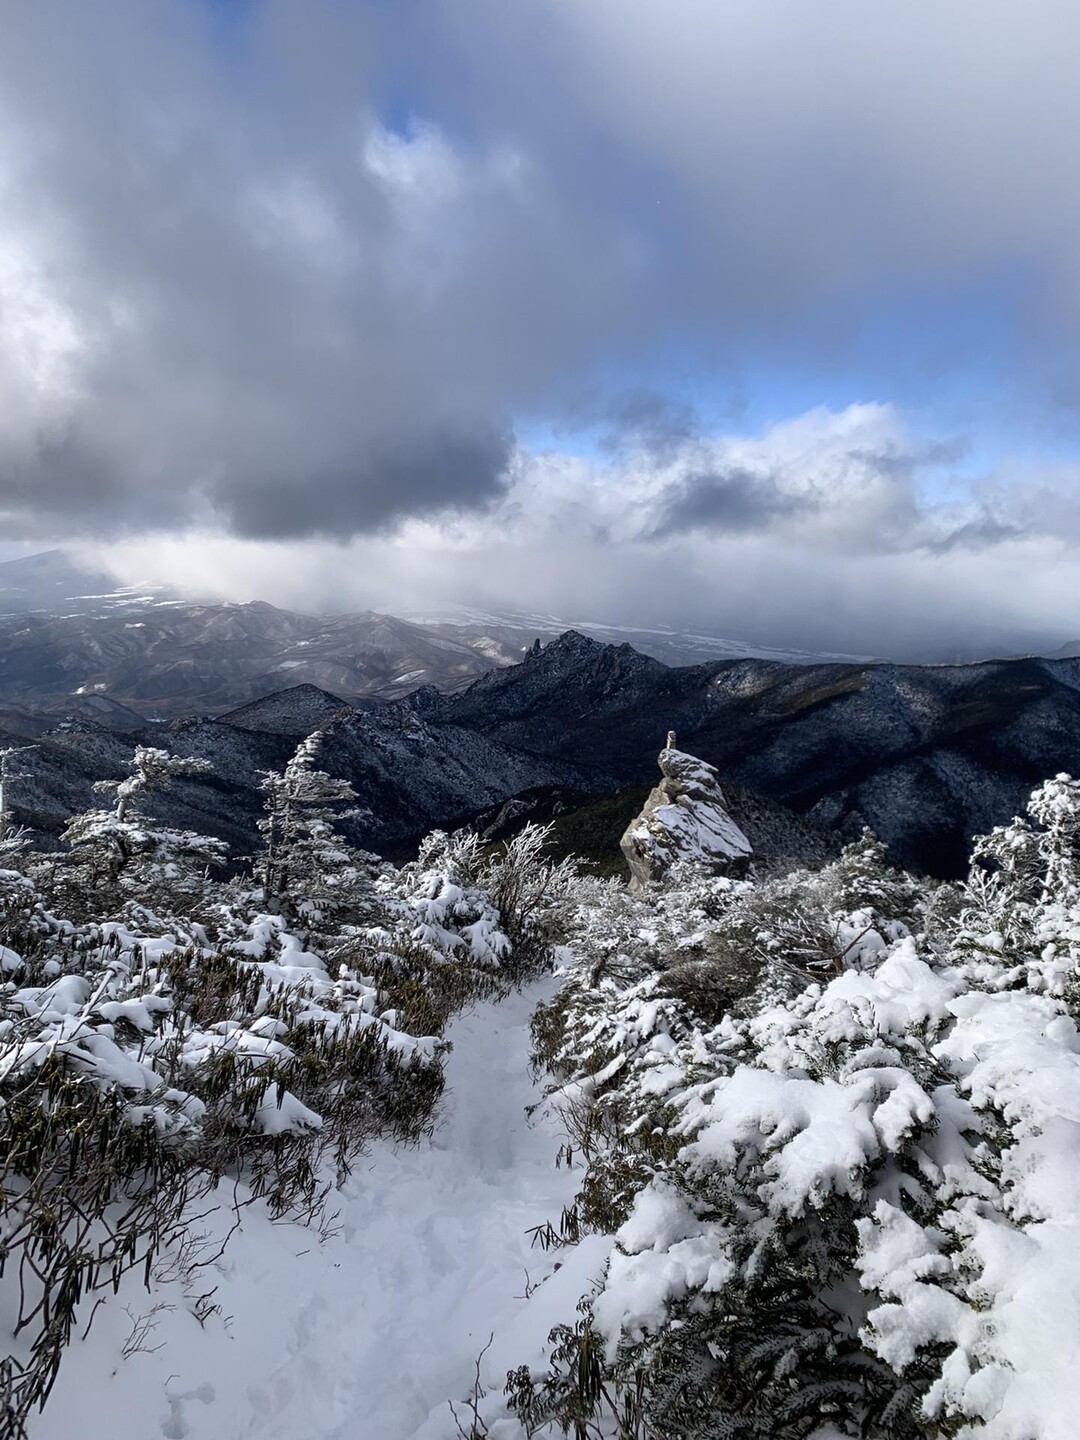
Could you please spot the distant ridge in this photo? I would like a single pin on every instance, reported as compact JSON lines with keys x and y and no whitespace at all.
{"x":296,"y":711}
{"x":926,"y":756}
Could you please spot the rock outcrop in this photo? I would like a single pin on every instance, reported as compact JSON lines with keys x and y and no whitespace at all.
{"x":685,"y":818}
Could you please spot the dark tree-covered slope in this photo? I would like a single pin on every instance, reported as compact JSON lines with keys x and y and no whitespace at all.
{"x":927,"y":755}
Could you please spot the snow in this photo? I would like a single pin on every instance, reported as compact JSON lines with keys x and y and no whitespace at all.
{"x":914,"y":1109}
{"x":685,"y":819}
{"x":663,"y":1251}
{"x":366,"y":1334}
{"x":695,"y":832}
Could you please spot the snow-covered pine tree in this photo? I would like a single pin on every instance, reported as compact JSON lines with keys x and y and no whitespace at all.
{"x":307,"y":872}
{"x":123,"y":853}
{"x":12,"y":839}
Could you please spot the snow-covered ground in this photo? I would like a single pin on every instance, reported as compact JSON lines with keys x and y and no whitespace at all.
{"x":367,"y":1334}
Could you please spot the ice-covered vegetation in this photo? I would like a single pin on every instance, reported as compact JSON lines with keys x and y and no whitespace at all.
{"x":820,"y":1131}
{"x":167,"y":1037}
{"x":832,"y":1125}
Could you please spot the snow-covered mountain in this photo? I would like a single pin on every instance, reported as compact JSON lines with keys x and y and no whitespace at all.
{"x":67,"y":630}
{"x":927,"y":756}
{"x":167,"y":657}
{"x":518,"y":630}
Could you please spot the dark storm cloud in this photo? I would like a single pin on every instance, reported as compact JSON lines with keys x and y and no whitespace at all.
{"x":237,"y":297}
{"x":427,"y":472}
{"x":737,"y":502}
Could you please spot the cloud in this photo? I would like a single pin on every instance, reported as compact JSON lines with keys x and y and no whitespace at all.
{"x":294,"y":277}
{"x":732,"y":503}
{"x":982,"y":532}
{"x":754,"y":538}
{"x":794,"y":155}
{"x":233,"y":297}
{"x":827,"y":480}
{"x":431,"y":471}
{"x":641,"y":419}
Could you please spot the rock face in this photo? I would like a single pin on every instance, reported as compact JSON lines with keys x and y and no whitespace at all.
{"x":685,"y":818}
{"x":296,"y":711}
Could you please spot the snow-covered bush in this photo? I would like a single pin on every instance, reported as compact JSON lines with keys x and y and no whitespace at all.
{"x":119,"y":855}
{"x":168,"y":1033}
{"x":846,"y":1205}
{"x":461,"y":921}
{"x":533,"y":895}
{"x":141,"y":1069}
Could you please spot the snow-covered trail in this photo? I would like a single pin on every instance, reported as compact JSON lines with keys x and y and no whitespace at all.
{"x":366,"y":1336}
{"x":437,"y":1249}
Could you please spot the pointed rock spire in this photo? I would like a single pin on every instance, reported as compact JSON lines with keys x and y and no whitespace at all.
{"x":685,"y":818}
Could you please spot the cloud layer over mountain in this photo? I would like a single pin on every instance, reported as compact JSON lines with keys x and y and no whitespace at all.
{"x":291,"y":274}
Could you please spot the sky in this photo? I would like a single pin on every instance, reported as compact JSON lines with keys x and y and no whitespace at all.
{"x":760,"y":319}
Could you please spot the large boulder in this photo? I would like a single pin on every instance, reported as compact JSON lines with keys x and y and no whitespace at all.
{"x":685,"y":819}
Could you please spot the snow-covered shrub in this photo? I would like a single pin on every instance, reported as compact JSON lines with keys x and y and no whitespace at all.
{"x":532,"y":895}
{"x":139,"y":1070}
{"x":436,"y":943}
{"x":122,"y":854}
{"x":846,"y":1207}
{"x":168,"y":1033}
{"x":461,"y":922}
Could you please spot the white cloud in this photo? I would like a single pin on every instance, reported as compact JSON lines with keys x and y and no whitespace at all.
{"x":235,"y":300}
{"x":859,"y":564}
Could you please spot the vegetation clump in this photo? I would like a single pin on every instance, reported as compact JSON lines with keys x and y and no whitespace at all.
{"x":825,"y":1121}
{"x":165,"y":1033}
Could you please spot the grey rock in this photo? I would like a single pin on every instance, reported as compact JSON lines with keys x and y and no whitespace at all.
{"x":685,"y":819}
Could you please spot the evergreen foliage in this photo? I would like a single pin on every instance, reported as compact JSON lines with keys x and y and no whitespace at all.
{"x":305,"y":869}
{"x":828,"y":1122}
{"x":121,"y":854}
{"x":164,"y":1034}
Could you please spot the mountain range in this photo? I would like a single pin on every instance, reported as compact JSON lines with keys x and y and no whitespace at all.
{"x":70,"y":635}
{"x":74,"y":642}
{"x":926,"y":755}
